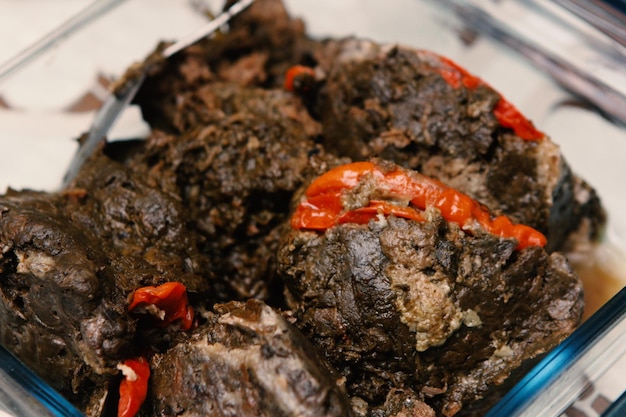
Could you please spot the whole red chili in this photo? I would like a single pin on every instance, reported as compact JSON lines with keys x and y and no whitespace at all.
{"x":166,"y":303}
{"x":134,"y":387}
{"x":322,"y":207}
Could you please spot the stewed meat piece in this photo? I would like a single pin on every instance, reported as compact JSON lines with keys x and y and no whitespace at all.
{"x":236,"y":170}
{"x":402,"y":281}
{"x":69,"y":262}
{"x":424,"y":112}
{"x":245,"y":360}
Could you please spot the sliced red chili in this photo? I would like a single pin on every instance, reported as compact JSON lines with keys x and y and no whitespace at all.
{"x":322,"y":207}
{"x":170,"y":302}
{"x":456,"y":207}
{"x":340,"y":178}
{"x":455,"y":75}
{"x":166,"y":304}
{"x":507,"y":114}
{"x":134,"y":387}
{"x":318,"y":212}
{"x":299,"y":78}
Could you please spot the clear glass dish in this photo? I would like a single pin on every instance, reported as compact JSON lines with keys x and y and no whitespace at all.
{"x":49,"y":102}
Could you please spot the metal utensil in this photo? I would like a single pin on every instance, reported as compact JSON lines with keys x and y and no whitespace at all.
{"x":89,"y":13}
{"x":609,"y":16}
{"x":117,"y":102}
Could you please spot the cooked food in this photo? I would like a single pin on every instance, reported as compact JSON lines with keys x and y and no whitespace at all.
{"x":235,"y":169}
{"x":403,"y":281}
{"x":246,"y":360}
{"x":69,"y":262}
{"x":424,"y":112}
{"x":381,"y":201}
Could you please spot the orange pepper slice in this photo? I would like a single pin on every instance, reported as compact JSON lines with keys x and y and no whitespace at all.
{"x":134,"y":387}
{"x":506,"y":113}
{"x":170,"y":299}
{"x":322,"y":207}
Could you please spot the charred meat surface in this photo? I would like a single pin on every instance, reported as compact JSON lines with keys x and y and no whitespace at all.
{"x":403,"y":402}
{"x":259,"y":47}
{"x":138,"y":221}
{"x":423,"y":304}
{"x":395,"y":302}
{"x":424,"y":112}
{"x":236,"y":172}
{"x":54,"y":283}
{"x":246,"y":360}
{"x":69,"y":262}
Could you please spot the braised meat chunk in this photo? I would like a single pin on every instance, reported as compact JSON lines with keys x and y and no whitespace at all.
{"x":232,"y":143}
{"x":54,"y":281}
{"x":69,"y":262}
{"x":425,"y":112}
{"x":402,"y":282}
{"x":246,"y":360}
{"x":236,"y":172}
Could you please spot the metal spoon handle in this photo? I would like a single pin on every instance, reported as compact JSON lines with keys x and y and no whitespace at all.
{"x":115,"y":104}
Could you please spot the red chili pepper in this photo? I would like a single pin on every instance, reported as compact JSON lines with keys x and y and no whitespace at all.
{"x":322,"y":207}
{"x":299,"y":78}
{"x":134,"y":387}
{"x":455,"y":75}
{"x":170,"y":299}
{"x":507,"y":114}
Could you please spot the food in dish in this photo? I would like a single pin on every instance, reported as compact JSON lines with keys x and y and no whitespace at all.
{"x":247,"y":360}
{"x":235,"y":160}
{"x":436,"y":295}
{"x":118,"y":274}
{"x":70,"y":261}
{"x":424,"y":112}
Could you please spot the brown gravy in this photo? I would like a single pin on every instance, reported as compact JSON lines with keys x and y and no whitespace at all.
{"x":603,"y":274}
